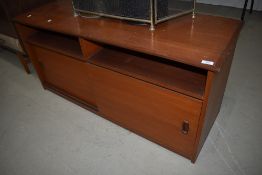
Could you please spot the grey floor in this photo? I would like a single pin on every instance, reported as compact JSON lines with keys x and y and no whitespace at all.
{"x":44,"y":134}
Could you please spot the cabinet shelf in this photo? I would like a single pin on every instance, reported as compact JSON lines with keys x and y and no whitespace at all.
{"x":167,"y":74}
{"x":63,"y":44}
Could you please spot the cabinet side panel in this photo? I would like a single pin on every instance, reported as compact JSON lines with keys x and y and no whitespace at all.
{"x":215,"y":88}
{"x":24,"y":32}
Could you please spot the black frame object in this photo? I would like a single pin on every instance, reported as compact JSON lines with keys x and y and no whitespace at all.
{"x":245,"y":8}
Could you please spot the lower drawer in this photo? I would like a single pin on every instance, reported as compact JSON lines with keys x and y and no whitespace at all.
{"x":161,"y":115}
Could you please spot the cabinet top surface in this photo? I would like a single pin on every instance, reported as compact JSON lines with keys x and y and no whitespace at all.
{"x":182,"y":39}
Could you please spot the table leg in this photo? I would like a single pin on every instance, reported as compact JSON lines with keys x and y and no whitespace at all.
{"x":24,"y":61}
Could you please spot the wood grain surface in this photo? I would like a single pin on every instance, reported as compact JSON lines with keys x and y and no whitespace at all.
{"x":152,"y":83}
{"x":182,"y":39}
{"x":153,"y":112}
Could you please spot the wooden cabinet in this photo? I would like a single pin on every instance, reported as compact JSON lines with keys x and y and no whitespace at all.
{"x":166,"y":85}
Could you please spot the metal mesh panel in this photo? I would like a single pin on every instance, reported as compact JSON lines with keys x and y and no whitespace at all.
{"x":137,"y":9}
{"x":166,"y":8}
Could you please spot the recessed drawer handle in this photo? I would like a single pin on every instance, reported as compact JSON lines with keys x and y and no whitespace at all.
{"x":185,"y":127}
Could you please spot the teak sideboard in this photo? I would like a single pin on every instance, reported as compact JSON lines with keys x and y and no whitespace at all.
{"x":166,"y":85}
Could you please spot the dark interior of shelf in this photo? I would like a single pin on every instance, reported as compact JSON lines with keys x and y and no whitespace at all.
{"x":168,"y":74}
{"x":63,"y":44}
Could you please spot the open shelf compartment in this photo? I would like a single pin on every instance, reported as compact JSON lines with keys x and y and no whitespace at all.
{"x":63,"y":44}
{"x":171,"y":75}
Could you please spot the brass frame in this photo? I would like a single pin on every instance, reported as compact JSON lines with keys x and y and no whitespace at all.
{"x":153,"y":15}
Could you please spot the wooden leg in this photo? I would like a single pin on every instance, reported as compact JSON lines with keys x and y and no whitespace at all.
{"x":24,"y":61}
